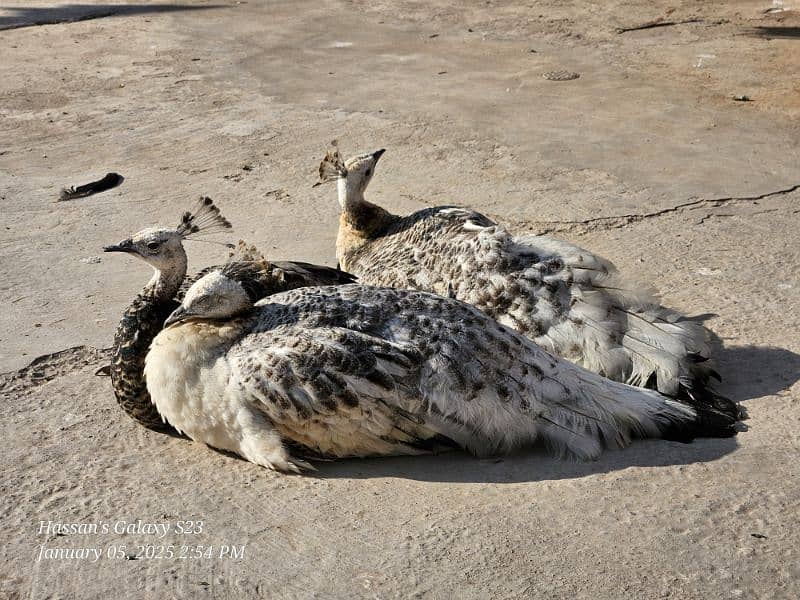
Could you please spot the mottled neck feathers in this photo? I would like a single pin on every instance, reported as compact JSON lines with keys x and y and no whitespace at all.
{"x":366,"y":220}
{"x":142,"y":321}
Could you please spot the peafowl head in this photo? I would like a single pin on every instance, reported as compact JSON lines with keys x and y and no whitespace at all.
{"x":352,"y":176}
{"x":213,"y":296}
{"x":159,"y":247}
{"x":162,"y":247}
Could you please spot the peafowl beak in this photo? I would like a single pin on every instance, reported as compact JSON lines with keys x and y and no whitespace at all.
{"x":123,"y":246}
{"x":178,"y":315}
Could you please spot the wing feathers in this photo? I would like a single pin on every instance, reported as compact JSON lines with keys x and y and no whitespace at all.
{"x":354,"y":370}
{"x":566,"y":299}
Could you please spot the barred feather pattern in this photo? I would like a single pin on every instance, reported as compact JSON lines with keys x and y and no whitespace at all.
{"x":356,"y":370}
{"x":569,"y":301}
{"x":140,"y":323}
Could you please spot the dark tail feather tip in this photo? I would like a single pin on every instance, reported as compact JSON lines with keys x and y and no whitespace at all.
{"x":709,"y":423}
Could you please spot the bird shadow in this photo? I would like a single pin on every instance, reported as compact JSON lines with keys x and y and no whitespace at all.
{"x":776,"y":32}
{"x":529,"y":466}
{"x":72,"y":13}
{"x":750,"y":372}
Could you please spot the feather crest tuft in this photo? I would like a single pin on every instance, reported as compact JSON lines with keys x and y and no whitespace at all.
{"x":332,"y":166}
{"x":205,"y":218}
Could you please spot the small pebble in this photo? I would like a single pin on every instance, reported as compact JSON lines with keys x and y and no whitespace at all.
{"x":560,"y":75}
{"x":742,"y":98}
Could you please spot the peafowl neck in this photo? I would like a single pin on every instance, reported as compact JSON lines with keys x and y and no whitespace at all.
{"x":360,"y":222}
{"x":140,"y":323}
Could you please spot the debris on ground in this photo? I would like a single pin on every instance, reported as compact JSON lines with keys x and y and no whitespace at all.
{"x":111,"y":180}
{"x":560,"y":75}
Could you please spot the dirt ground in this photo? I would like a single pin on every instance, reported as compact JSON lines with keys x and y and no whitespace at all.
{"x":645,"y":158}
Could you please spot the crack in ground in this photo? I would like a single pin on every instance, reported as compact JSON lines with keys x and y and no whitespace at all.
{"x":658,"y":23}
{"x":606,"y":223}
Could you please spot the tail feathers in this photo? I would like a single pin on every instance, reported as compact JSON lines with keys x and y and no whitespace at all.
{"x":672,"y":350}
{"x":613,"y":328}
{"x":673,"y":358}
{"x":613,"y":415}
{"x":566,"y":433}
{"x":651,"y":352}
{"x":703,"y":397}
{"x":619,"y":331}
{"x":663,"y":352}
{"x":571,"y":411}
{"x":706,"y":423}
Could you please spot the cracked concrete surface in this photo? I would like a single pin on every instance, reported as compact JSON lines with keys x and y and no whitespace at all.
{"x":596,"y":223}
{"x":646,"y":159}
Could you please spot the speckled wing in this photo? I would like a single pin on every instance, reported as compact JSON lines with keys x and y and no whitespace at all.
{"x":334,"y":391}
{"x":425,"y":250}
{"x":460,"y":253}
{"x":448,"y":249}
{"x":568,"y":300}
{"x":359,"y":367}
{"x":352,"y":370}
